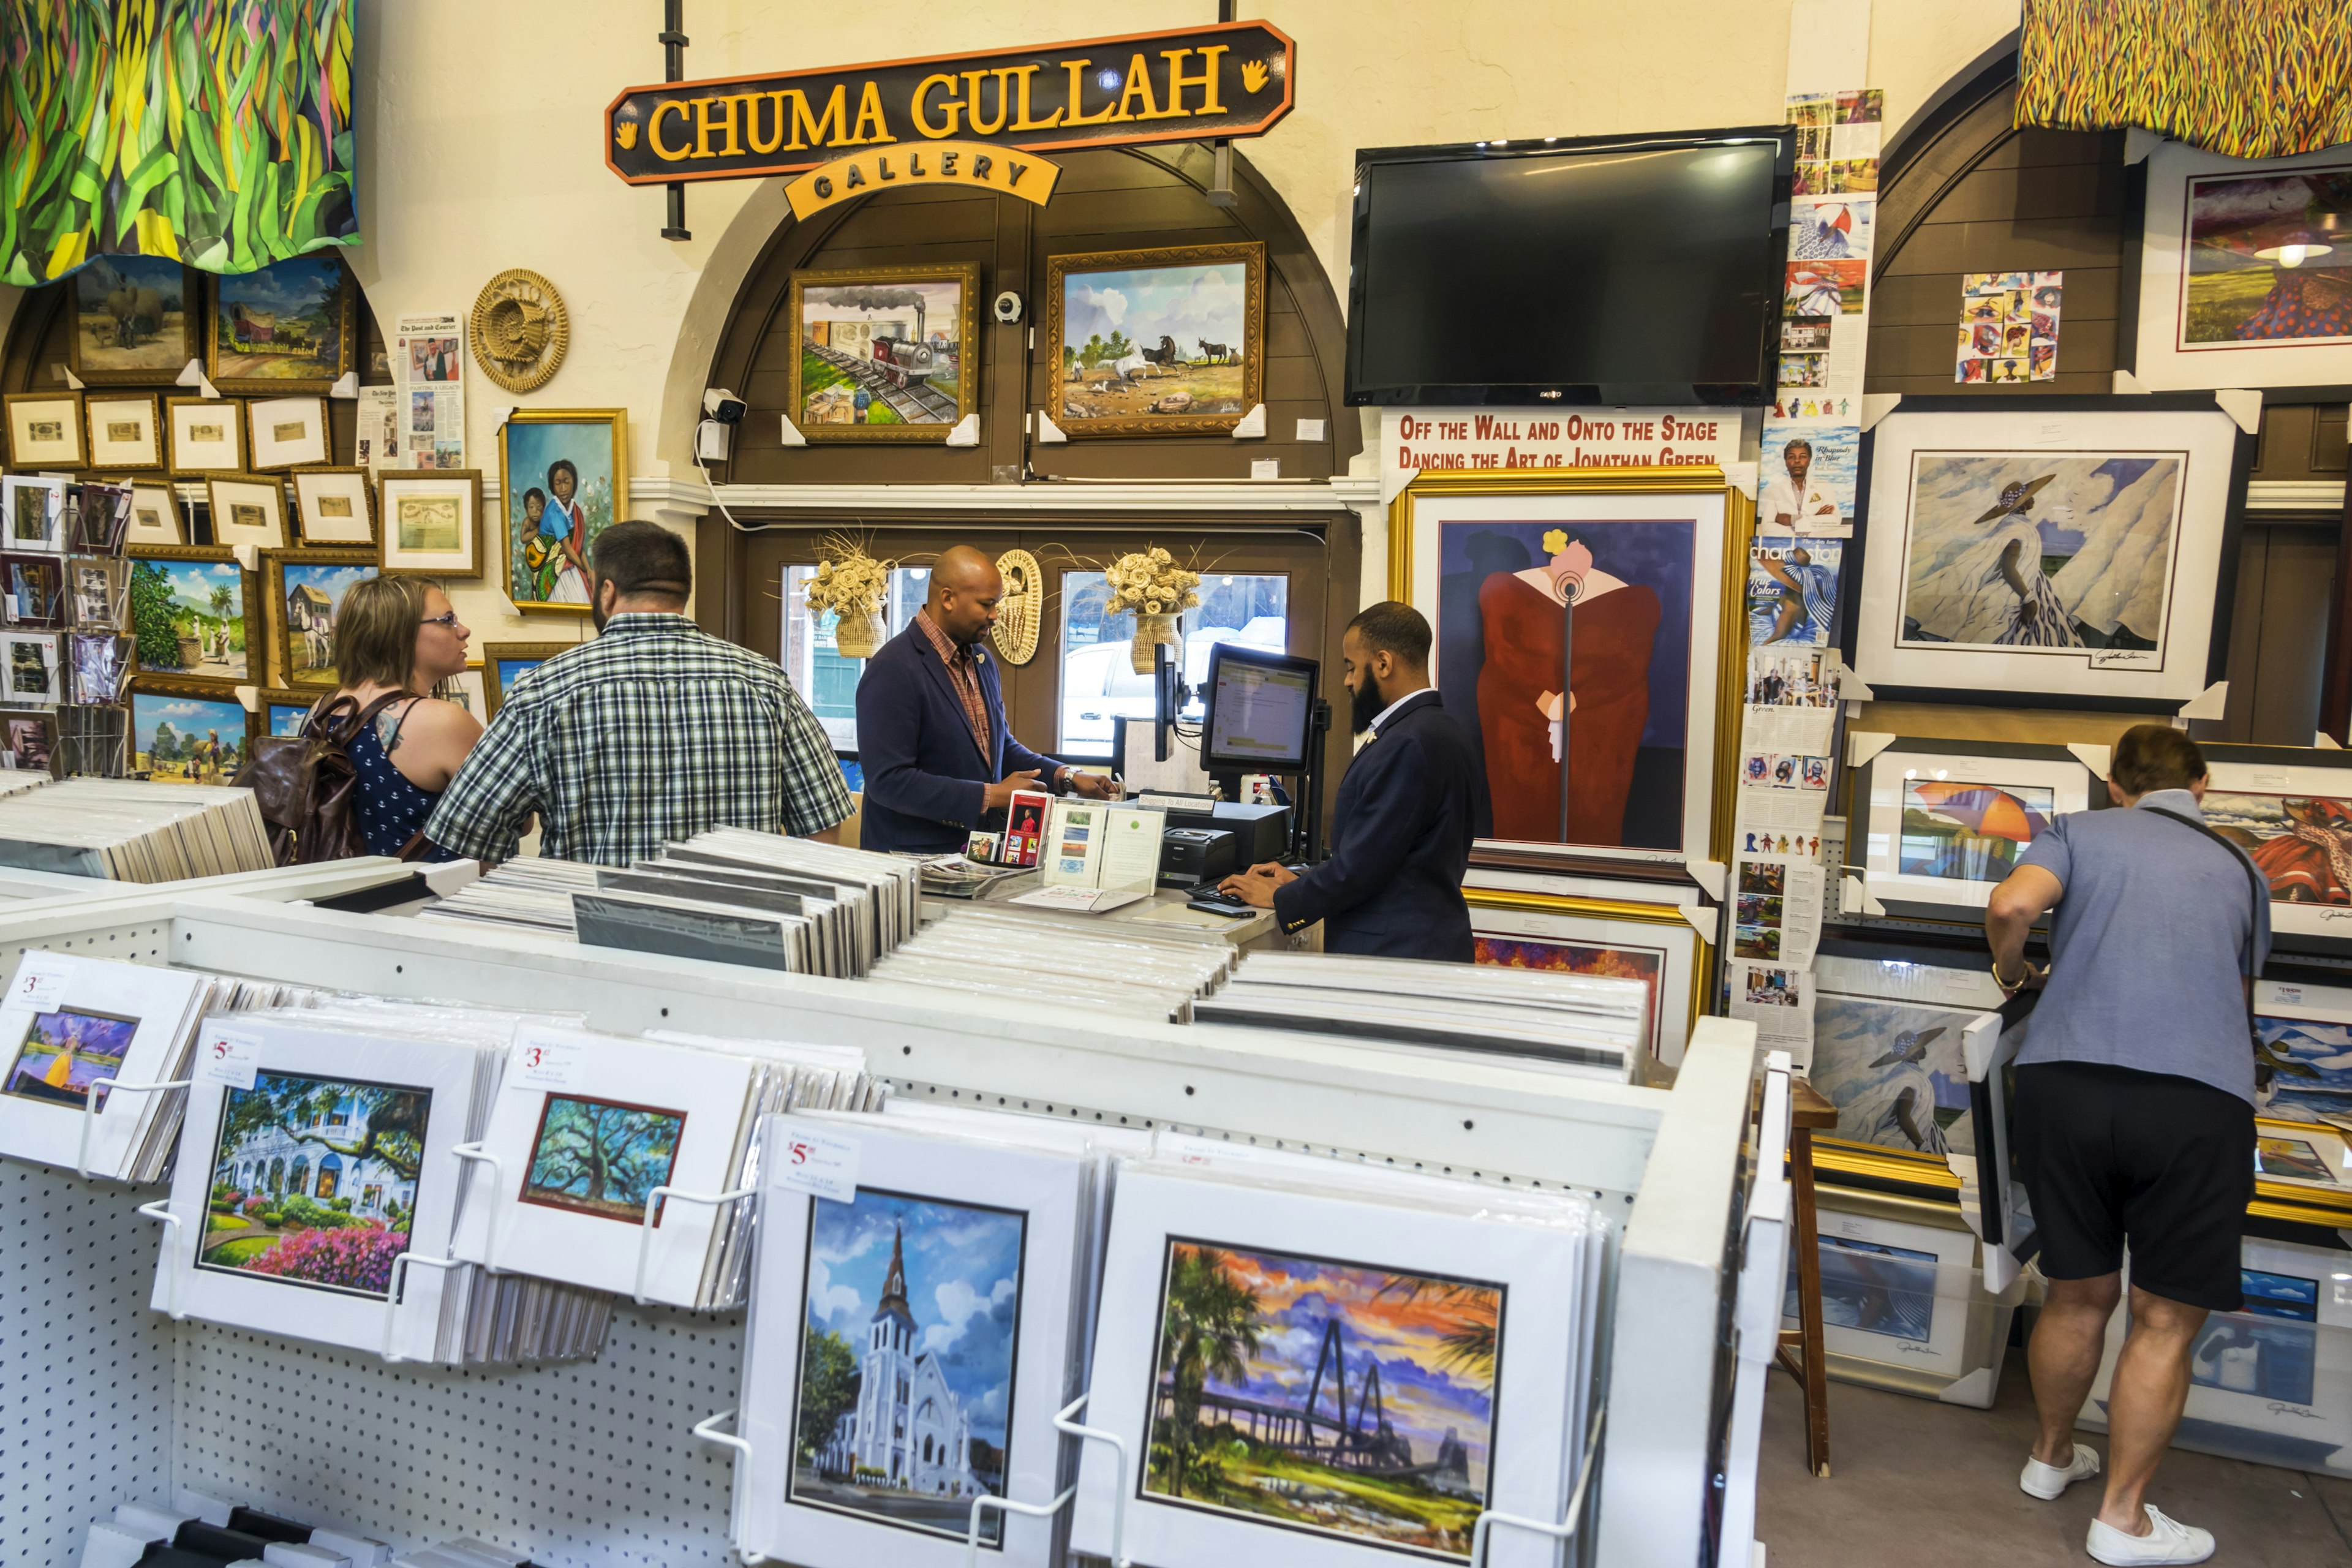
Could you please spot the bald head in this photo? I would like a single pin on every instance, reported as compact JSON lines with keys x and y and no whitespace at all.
{"x":965,"y":589}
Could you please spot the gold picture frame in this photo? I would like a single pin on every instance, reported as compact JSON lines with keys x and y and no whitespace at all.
{"x":418,"y":534}
{"x":211,"y":707}
{"x":251,"y":317}
{"x":156,"y":518}
{"x":1094,"y":395}
{"x":544,"y":562}
{"x":317,"y":525}
{"x":319,"y":578}
{"x":45,"y":430}
{"x":109,"y":301}
{"x":192,"y":433}
{"x":150,"y":640}
{"x":1680,"y":1006}
{"x":124,"y":430}
{"x":248,"y":509}
{"x":305,"y":440}
{"x":836,"y":358}
{"x":494,"y":654}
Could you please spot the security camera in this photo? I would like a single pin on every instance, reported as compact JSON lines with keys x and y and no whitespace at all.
{"x":1008,"y":306}
{"x":723,"y":405}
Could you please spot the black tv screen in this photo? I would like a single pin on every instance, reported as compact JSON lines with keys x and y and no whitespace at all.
{"x":1609,"y":270}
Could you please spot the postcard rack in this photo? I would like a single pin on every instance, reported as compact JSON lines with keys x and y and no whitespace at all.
{"x":593,"y":1464}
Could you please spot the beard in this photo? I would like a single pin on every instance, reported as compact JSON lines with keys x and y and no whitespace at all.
{"x":1365,"y":707}
{"x":596,"y":615}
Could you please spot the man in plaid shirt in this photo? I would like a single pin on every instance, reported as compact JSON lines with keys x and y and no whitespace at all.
{"x":650,"y":733}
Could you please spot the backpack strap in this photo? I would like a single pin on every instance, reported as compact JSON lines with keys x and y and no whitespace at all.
{"x":2260,"y":889}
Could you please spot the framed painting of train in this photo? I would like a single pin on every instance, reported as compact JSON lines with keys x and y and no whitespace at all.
{"x":1156,"y":343}
{"x":563,"y":475}
{"x":134,"y":321}
{"x":285,"y":329}
{"x":886,"y":353}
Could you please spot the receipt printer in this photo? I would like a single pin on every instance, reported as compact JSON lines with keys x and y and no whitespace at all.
{"x":1191,"y":855}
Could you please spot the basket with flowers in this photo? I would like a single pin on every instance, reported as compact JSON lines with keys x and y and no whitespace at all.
{"x":852,"y":584}
{"x":1151,"y":584}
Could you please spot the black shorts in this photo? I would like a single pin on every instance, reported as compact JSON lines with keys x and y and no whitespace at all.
{"x":2108,"y":1154}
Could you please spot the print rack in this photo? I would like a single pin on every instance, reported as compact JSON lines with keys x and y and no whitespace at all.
{"x":596,"y":1465}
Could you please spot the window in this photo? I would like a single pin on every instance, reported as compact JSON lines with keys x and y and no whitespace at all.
{"x":1098,"y":679}
{"x":827,"y":682}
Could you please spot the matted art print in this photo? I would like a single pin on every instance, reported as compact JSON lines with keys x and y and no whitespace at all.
{"x":187,"y":731}
{"x":2245,"y":271}
{"x":306,"y":590}
{"x":1148,"y":343}
{"x":563,"y":479}
{"x":28,"y":669}
{"x":886,"y":353}
{"x":1498,"y":561}
{"x":205,"y":436}
{"x":1251,"y":1421}
{"x":125,"y":431}
{"x":29,"y":741}
{"x":34,"y":588}
{"x":134,"y":320}
{"x":1898,"y":1292}
{"x":287,"y":327}
{"x":1615,"y":937}
{"x":155,"y":515}
{"x":44,"y":429}
{"x":432,"y":518}
{"x":63,"y":1050}
{"x":192,"y":615}
{"x":249,"y":509}
{"x":2063,"y":554}
{"x":289,"y":432}
{"x":601,"y":1157}
{"x":2290,"y":809}
{"x":334,"y":506}
{"x":1945,"y":821}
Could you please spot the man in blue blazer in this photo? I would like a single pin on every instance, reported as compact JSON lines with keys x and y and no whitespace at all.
{"x":1409,"y":807}
{"x":931,"y":734}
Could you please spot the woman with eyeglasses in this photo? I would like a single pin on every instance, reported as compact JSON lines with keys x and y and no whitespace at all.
{"x":395,"y":639}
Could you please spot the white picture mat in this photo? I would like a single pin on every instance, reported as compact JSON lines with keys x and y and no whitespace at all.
{"x":708,"y":1088}
{"x":1433,"y":513}
{"x":144,"y":452}
{"x":2162,"y":365}
{"x":1942,"y":1353}
{"x":358,"y":528}
{"x":43,"y":496}
{"x":268,"y":494}
{"x":310,"y":446}
{"x":226,"y":454}
{"x":158,"y":998}
{"x":45,"y":645}
{"x":2266,"y":778}
{"x":2068,"y":782}
{"x":2209,"y":439}
{"x":1676,"y":944}
{"x":164,"y":502}
{"x":465,"y":558}
{"x":305,"y":1312}
{"x":1048,"y":1188}
{"x":1916,"y":984}
{"x":24,"y":452}
{"x":1527,"y":1462}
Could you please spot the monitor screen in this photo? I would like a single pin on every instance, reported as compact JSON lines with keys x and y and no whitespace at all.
{"x":1644,"y":271}
{"x":1261,"y":706}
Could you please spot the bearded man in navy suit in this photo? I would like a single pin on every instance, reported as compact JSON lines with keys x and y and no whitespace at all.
{"x":1410,"y":806}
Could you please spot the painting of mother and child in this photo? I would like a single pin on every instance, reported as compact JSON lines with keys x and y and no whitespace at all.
{"x":567,"y":489}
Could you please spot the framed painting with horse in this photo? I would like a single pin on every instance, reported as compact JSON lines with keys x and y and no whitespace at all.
{"x":1156,"y":343}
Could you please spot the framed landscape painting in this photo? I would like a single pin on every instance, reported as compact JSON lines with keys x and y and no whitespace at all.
{"x":306,"y":589}
{"x":2074,"y":551}
{"x":192,"y":614}
{"x":186,"y":732}
{"x":285,"y":329}
{"x":1156,"y":343}
{"x":886,"y":352}
{"x":504,"y":663}
{"x":285,"y":712}
{"x":134,"y":321}
{"x":563,"y":479}
{"x":1653,"y":565}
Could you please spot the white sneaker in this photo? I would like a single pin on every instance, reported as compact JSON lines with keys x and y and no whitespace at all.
{"x":2046,"y":1481}
{"x":2167,"y":1541}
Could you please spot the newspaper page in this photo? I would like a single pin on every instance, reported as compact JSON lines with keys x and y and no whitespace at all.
{"x":429,"y":353}
{"x":1779,"y":1000}
{"x":1775,"y":909}
{"x":379,"y":429}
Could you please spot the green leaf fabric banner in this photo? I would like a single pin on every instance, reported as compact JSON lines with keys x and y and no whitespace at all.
{"x":219,"y":132}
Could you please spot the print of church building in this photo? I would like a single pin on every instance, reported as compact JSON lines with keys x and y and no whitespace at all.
{"x":908,"y":1430}
{"x":272,"y":1161}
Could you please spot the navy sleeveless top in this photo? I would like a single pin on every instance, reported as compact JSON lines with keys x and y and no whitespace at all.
{"x":392,"y":809}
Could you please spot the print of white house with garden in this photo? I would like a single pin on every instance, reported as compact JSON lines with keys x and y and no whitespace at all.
{"x":277,"y":1161}
{"x":909,"y":1429}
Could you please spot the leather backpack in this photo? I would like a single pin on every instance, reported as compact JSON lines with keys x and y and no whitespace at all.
{"x":307,"y":786}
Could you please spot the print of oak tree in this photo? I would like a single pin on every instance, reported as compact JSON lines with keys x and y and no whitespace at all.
{"x":603,"y":1156}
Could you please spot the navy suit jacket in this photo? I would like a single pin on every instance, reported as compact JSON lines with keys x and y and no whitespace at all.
{"x":1400,"y":835}
{"x":925,"y":776}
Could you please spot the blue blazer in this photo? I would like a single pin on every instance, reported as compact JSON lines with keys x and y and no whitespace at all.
{"x":925,"y":776}
{"x":1401,"y":832}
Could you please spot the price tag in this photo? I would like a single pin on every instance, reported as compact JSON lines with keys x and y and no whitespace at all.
{"x":2286,"y":996}
{"x":811,"y":1158}
{"x":228,"y":1057}
{"x":40,"y":982}
{"x":547,"y":1060}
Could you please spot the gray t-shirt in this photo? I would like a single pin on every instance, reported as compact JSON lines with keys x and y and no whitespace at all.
{"x":2145,"y":944}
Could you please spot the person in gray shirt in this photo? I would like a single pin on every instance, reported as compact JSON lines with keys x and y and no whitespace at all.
{"x":2135,"y":1117}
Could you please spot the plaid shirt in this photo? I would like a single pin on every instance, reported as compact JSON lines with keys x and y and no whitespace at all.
{"x":963,"y":672}
{"x":653,"y":731}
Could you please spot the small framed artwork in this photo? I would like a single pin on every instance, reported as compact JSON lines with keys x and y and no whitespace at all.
{"x":35,"y":588}
{"x":288,"y":432}
{"x":285,"y":329}
{"x":28,"y":743}
{"x":2307,"y":1029}
{"x":1887,"y":1021}
{"x":248,"y":509}
{"x":155,"y":514}
{"x":192,"y":614}
{"x":135,"y":321}
{"x":565,"y":479}
{"x":887,"y":354}
{"x":306,"y":590}
{"x":1619,"y":938}
{"x":433,"y":521}
{"x":469,"y":689}
{"x":504,"y":663}
{"x":206,"y":435}
{"x":125,"y":432}
{"x":1945,"y":821}
{"x":28,"y":669}
{"x":334,"y":507}
{"x":188,"y":732}
{"x":98,"y":666}
{"x":2290,"y":809}
{"x":33,"y":512}
{"x":1157,"y":342}
{"x":285,"y":712}
{"x":2063,"y":552}
{"x":45,"y":429}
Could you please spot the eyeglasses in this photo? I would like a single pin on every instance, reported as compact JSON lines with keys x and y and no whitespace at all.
{"x":448,"y":620}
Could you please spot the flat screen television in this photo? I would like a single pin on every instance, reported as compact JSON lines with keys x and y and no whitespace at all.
{"x":1608,"y":270}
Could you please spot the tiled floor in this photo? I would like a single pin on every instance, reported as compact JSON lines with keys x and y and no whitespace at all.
{"x":1932,"y":1486}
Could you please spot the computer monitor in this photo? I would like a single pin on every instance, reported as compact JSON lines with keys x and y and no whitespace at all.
{"x":1261,"y":710}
